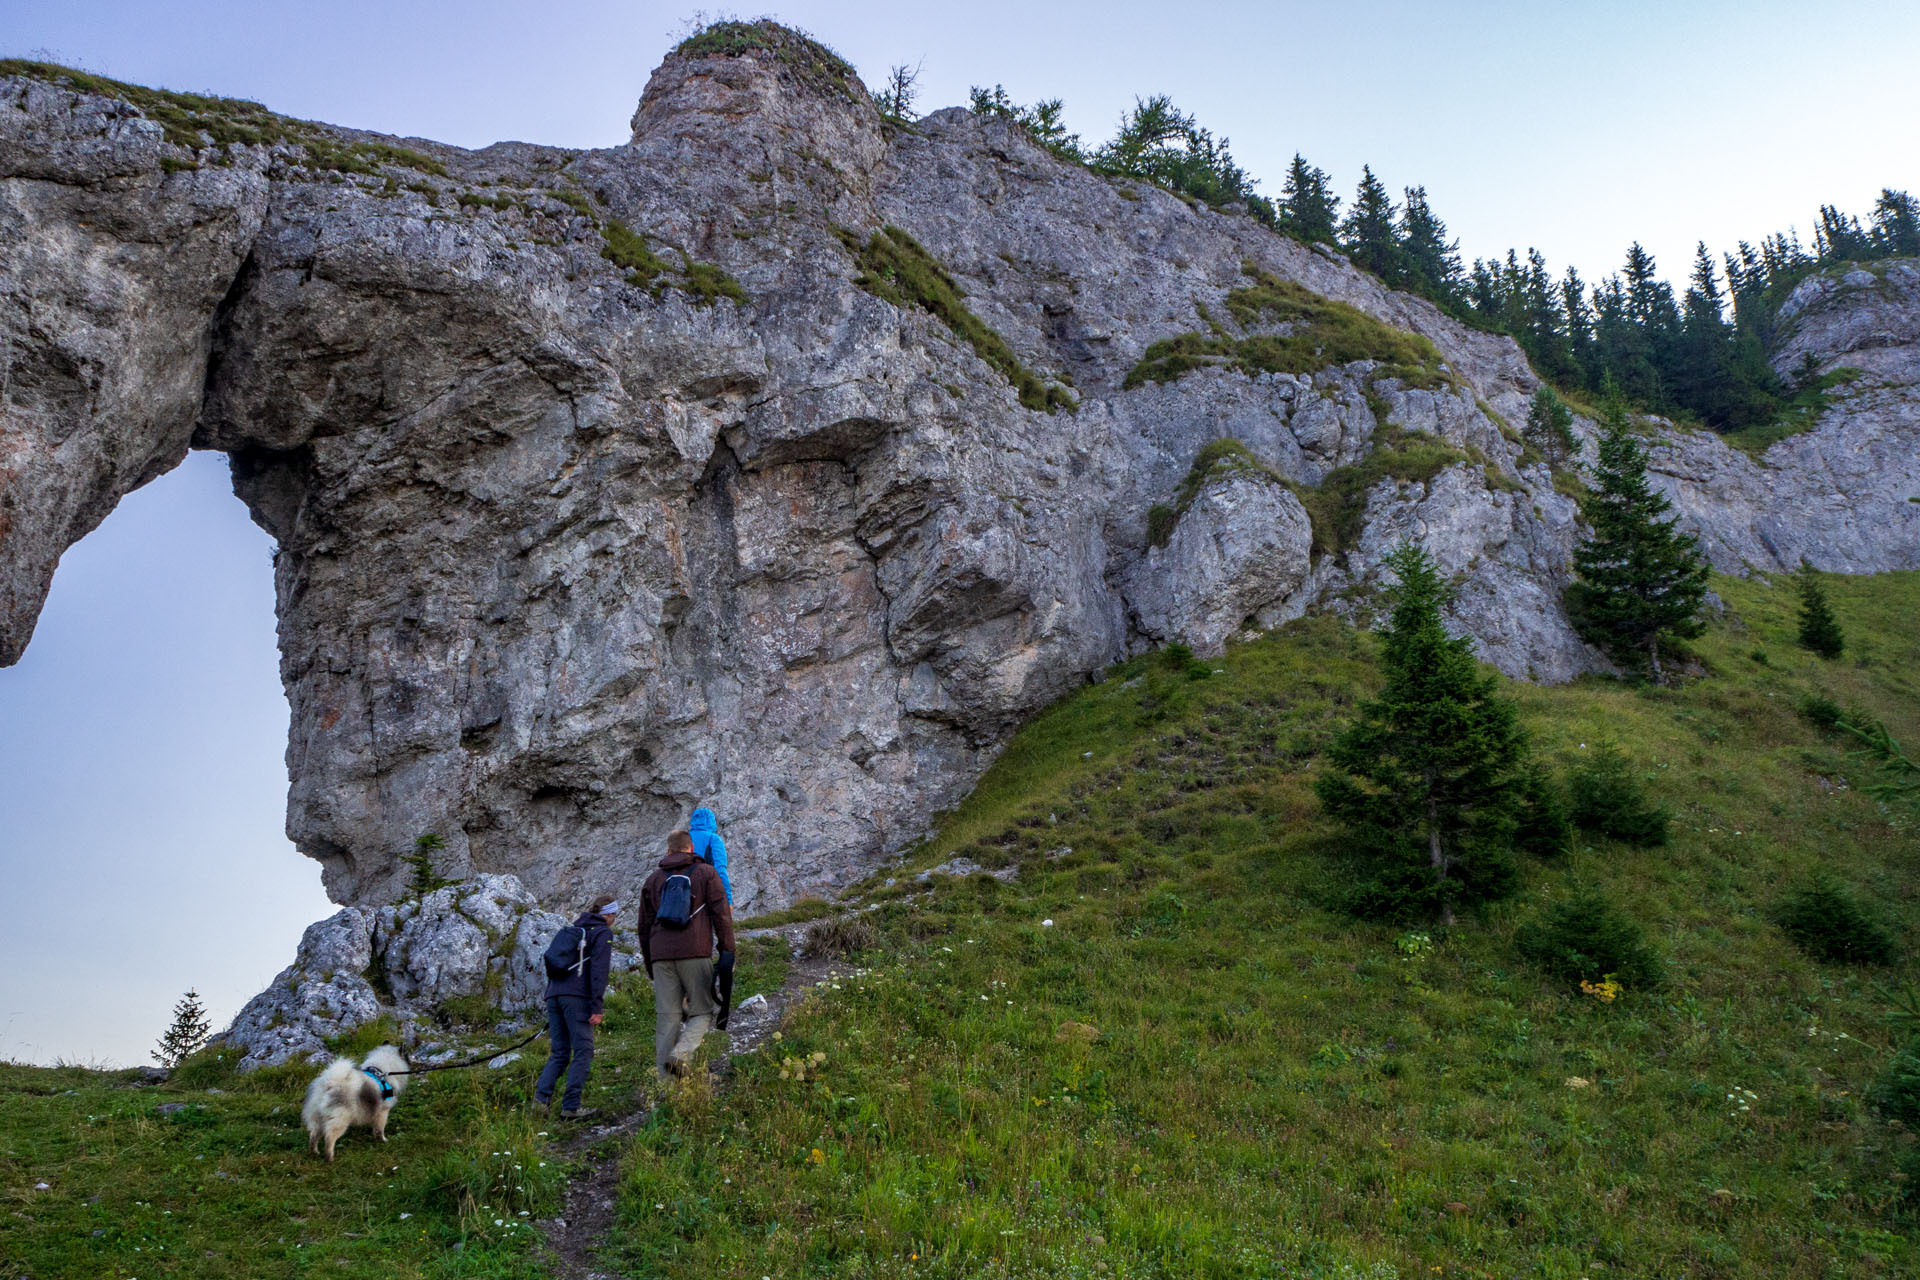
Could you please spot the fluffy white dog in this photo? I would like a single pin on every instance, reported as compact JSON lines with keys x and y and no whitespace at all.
{"x":349,"y":1093}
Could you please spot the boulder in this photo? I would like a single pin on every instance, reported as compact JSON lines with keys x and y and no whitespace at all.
{"x":1241,"y":548}
{"x":481,"y":938}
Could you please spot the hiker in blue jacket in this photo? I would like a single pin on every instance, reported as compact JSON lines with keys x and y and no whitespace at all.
{"x":708,"y":845}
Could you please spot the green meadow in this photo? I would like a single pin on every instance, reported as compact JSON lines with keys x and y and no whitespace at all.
{"x":1159,"y":1049}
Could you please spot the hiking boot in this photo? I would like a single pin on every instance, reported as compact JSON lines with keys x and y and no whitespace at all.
{"x":541,"y":1107}
{"x":579,"y":1113}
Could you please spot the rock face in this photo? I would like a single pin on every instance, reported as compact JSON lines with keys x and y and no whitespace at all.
{"x":1840,"y":495}
{"x":603,"y":489}
{"x":480,"y":939}
{"x":1242,"y":549}
{"x":111,"y":270}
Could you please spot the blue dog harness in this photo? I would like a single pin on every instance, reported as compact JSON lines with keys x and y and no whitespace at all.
{"x":379,"y":1077}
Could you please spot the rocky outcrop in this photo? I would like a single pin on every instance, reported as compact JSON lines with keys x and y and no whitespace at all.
{"x":602,"y":486}
{"x":111,"y":270}
{"x":479,"y":942}
{"x":1241,"y":549}
{"x":1840,"y":495}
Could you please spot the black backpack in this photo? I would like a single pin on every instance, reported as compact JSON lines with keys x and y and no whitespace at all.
{"x":676,"y":902}
{"x":567,"y":953}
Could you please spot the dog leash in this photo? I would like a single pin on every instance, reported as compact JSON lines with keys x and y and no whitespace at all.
{"x":470,"y":1062}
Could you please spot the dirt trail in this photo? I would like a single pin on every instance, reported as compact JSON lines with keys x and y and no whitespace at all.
{"x":574,"y":1237}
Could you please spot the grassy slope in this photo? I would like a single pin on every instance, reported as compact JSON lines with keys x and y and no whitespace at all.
{"x":225,"y":1189}
{"x":1275,"y":1089}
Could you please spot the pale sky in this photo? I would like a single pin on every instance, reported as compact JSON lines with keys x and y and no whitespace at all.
{"x":142,"y":789}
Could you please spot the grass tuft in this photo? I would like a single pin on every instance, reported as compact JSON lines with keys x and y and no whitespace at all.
{"x":1317,"y":333}
{"x":841,"y":936}
{"x":895,"y":267}
{"x":629,"y":251}
{"x":1216,"y":457}
{"x":1338,"y":504}
{"x":707,"y":284}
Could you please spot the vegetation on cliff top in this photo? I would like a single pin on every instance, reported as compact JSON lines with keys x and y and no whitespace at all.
{"x":1700,"y":354}
{"x":186,"y":117}
{"x":810,"y":61}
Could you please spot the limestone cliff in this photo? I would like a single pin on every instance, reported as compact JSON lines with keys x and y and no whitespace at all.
{"x":1845,"y":495}
{"x":610,"y":483}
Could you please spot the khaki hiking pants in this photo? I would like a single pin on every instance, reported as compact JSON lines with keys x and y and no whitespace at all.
{"x":683,"y":1010}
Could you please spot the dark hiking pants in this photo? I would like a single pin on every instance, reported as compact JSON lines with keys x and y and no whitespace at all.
{"x":571,"y":1036}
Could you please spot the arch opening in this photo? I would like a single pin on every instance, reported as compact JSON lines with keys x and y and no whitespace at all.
{"x":142,"y":775}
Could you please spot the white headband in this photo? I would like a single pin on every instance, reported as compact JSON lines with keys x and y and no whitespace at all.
{"x":611,"y":909}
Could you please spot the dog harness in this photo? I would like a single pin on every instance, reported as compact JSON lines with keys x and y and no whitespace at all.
{"x":379,"y":1077}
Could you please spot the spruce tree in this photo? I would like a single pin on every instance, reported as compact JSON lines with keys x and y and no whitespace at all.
{"x":1308,"y":208}
{"x":1640,"y":580}
{"x":1896,"y":224}
{"x":1550,"y":429}
{"x":1430,"y":262}
{"x":187,"y":1035}
{"x":1579,"y":314}
{"x":1430,"y":775}
{"x":1705,"y":384}
{"x":1371,"y":240}
{"x":1543,"y":329}
{"x":1819,"y":629}
{"x":1839,"y":237}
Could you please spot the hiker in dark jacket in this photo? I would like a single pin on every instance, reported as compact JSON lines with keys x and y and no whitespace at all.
{"x":708,"y":845}
{"x":679,"y":956}
{"x":574,"y":1010}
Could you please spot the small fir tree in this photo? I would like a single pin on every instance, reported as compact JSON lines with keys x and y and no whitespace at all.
{"x":1640,"y":580}
{"x":1430,"y":262}
{"x":1429,"y":777}
{"x":1309,"y":211}
{"x":422,"y":879}
{"x":1819,"y":629}
{"x":1371,"y":240}
{"x":1550,"y":429}
{"x":187,"y":1035}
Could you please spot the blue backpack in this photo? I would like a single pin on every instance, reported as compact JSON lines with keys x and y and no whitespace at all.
{"x":676,"y":902}
{"x":567,"y":954}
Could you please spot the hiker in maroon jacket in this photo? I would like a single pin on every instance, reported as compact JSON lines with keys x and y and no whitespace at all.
{"x":683,"y":911}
